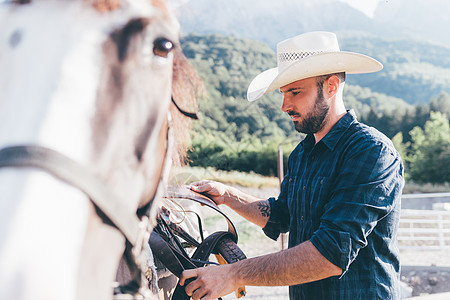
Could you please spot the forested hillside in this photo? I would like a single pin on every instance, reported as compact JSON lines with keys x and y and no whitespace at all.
{"x":234,"y":134}
{"x":413,"y":71}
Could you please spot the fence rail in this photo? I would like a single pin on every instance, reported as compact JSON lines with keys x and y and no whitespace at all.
{"x":424,"y":230}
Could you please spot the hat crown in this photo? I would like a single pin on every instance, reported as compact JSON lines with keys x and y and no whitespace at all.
{"x":302,"y":46}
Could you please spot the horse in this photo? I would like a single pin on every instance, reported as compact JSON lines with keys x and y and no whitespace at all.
{"x":85,"y":96}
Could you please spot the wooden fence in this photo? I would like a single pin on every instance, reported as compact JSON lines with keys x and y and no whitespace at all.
{"x":424,"y":230}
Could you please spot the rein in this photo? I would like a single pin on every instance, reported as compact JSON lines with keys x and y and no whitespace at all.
{"x":191,"y":115}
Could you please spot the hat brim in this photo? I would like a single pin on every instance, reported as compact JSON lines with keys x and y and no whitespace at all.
{"x":316,"y":65}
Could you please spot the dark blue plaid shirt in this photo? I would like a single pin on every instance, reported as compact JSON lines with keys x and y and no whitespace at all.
{"x":343,"y":194}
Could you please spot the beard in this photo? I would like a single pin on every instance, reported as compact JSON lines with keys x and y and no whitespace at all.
{"x":314,"y":121}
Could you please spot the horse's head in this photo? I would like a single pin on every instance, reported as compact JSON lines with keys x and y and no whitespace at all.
{"x":91,"y":80}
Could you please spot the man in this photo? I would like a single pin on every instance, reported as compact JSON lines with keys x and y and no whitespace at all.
{"x":340,"y":198}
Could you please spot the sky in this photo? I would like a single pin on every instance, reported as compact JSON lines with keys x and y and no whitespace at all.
{"x":366,"y":6}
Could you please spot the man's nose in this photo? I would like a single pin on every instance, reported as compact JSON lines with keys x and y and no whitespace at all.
{"x":286,"y":106}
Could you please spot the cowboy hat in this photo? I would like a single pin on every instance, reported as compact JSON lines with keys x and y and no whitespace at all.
{"x":308,"y":55}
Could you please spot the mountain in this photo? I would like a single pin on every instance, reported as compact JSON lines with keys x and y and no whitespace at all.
{"x":417,"y":19}
{"x":272,"y":21}
{"x":413,"y":71}
{"x":399,"y":36}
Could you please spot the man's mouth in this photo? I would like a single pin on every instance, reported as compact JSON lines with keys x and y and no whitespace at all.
{"x":294,"y":116}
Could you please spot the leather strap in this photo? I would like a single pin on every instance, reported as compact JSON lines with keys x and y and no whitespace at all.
{"x":178,"y":261}
{"x":135,"y":231}
{"x":201,"y":254}
{"x":186,"y":193}
{"x":208,"y":246}
{"x":74,"y":174}
{"x":191,"y":115}
{"x":171,"y":258}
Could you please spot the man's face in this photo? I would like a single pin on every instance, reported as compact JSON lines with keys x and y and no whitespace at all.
{"x":305,"y":104}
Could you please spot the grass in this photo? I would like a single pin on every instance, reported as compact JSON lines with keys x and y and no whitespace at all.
{"x":415,"y":188}
{"x":188,"y":175}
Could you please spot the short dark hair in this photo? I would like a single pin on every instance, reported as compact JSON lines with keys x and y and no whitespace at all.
{"x":321,"y":79}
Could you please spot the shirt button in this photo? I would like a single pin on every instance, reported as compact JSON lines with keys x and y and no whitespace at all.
{"x":304,"y":187}
{"x":290,"y":179}
{"x":301,"y":218}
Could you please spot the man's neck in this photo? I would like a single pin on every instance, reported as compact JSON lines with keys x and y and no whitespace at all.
{"x":332,"y":118}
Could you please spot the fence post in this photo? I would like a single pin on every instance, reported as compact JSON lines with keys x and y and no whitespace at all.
{"x":441,"y":231}
{"x":280,"y":179}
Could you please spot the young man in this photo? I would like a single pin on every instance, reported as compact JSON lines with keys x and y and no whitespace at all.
{"x":340,"y":198}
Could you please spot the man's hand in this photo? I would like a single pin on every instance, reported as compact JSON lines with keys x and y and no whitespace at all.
{"x":209,"y":282}
{"x":215,"y":190}
{"x":254,"y":209}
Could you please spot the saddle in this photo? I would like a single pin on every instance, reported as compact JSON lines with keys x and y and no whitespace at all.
{"x":167,"y":246}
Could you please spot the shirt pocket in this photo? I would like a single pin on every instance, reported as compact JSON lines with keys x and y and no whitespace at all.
{"x":319,"y":194}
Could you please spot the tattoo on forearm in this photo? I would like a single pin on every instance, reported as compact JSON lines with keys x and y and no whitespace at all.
{"x":264,"y":208}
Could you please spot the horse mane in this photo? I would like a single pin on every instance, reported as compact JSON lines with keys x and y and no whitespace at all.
{"x":187,"y":86}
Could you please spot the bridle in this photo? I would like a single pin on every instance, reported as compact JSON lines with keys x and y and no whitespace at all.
{"x":136,"y":230}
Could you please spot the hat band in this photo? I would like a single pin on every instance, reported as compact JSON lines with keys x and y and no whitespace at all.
{"x":292,"y":56}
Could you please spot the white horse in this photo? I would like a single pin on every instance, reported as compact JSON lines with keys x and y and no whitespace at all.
{"x":90,"y":80}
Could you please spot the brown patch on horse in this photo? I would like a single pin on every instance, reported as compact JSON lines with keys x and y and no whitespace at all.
{"x":110,"y":5}
{"x":187,"y":86}
{"x":161,"y":4}
{"x":115,"y":53}
{"x":123,"y":36}
{"x":106,"y":5}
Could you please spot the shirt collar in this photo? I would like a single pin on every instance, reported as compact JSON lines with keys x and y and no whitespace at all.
{"x":334,"y":135}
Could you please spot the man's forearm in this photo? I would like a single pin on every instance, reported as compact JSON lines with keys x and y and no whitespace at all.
{"x":254,"y":209}
{"x":297,"y":265}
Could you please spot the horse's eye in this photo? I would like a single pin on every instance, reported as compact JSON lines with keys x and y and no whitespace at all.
{"x":162,"y":47}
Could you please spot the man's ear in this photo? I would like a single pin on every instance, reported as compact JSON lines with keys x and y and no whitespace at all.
{"x":332,"y":87}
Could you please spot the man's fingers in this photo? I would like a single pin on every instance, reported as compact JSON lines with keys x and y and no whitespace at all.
{"x":201,"y":182}
{"x":200,"y":294}
{"x":194,"y":289}
{"x":201,"y":186}
{"x":187,"y":274}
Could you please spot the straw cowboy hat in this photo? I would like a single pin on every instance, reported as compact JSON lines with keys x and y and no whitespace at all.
{"x":308,"y":55}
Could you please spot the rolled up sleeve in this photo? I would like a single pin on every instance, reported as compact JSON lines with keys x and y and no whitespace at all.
{"x":279,"y":214}
{"x":365,"y":193}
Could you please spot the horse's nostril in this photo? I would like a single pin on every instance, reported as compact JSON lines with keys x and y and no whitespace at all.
{"x":162,"y":47}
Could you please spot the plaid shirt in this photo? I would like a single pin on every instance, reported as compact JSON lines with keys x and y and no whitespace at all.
{"x":343,"y":194}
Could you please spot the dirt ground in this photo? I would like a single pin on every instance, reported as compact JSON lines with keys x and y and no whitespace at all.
{"x":426,"y":272}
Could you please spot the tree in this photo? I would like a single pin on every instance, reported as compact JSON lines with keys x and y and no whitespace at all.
{"x":441,"y":104}
{"x":429,"y":160}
